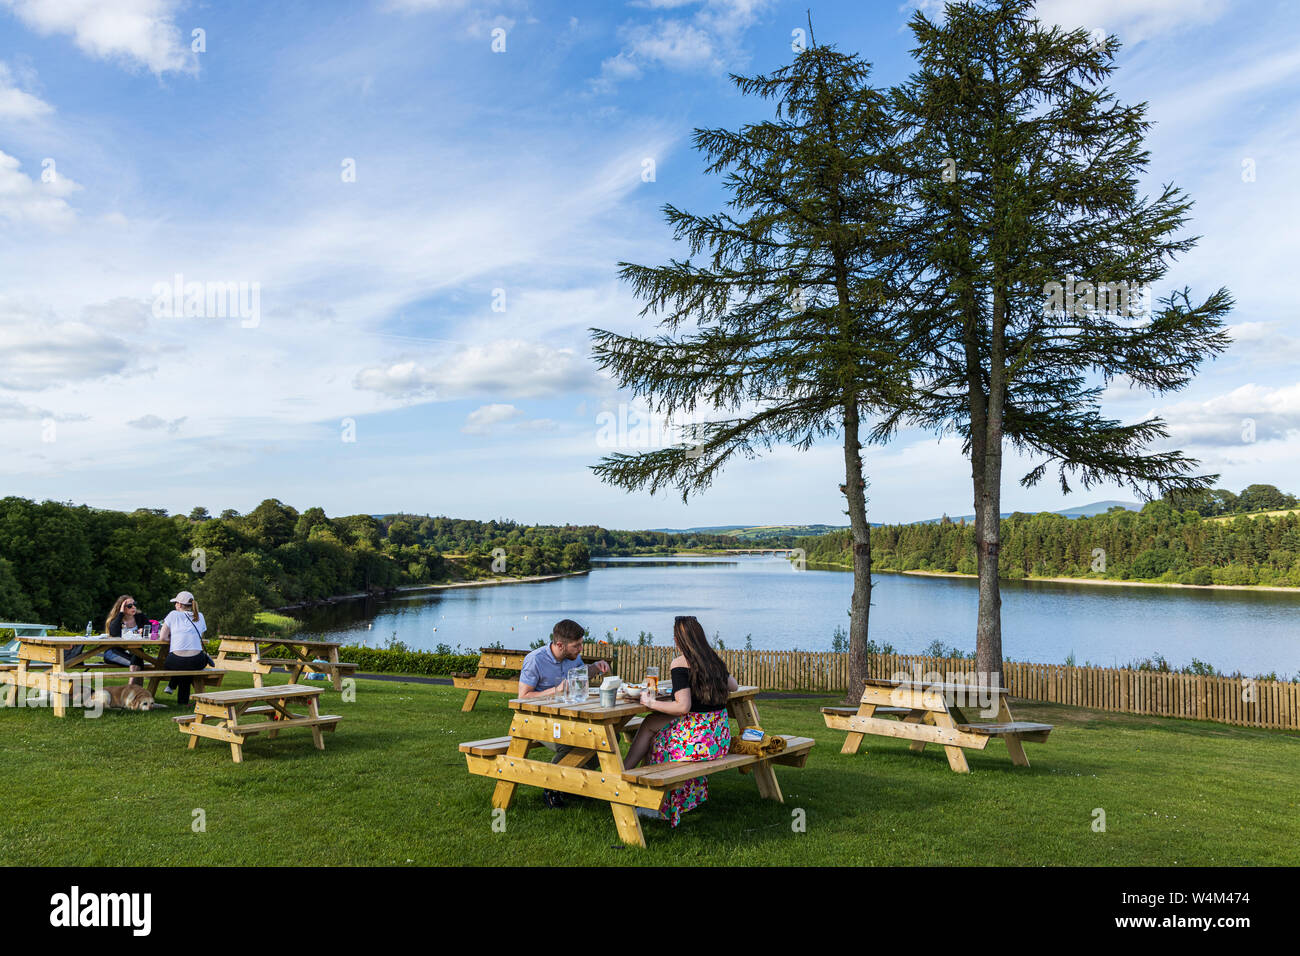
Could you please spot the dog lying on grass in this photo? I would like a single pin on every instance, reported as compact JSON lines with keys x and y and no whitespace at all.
{"x":120,"y":697}
{"x":123,"y":697}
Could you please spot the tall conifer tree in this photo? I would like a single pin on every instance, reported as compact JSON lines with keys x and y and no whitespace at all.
{"x":788,"y":330}
{"x":1036,"y":243}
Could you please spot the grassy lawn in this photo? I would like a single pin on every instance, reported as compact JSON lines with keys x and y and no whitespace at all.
{"x":392,"y":789}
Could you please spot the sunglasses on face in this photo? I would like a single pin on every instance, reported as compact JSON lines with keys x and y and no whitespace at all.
{"x":129,"y":604}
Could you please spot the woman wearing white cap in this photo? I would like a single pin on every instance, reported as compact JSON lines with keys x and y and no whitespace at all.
{"x":183,"y":628}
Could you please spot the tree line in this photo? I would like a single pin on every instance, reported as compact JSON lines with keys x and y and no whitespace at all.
{"x":1160,"y":543}
{"x":65,"y":564}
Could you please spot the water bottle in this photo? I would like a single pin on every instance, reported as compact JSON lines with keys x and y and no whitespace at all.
{"x":89,"y":632}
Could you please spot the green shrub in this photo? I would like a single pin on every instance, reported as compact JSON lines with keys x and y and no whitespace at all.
{"x":385,"y":660}
{"x":1153,"y":563}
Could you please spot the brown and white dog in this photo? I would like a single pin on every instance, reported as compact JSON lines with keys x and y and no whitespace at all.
{"x":118,"y":697}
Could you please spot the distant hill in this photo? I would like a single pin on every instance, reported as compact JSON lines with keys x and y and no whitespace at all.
{"x":756,"y":532}
{"x":1081,"y":511}
{"x":759,"y":532}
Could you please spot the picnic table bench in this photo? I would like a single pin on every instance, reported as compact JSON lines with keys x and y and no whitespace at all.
{"x":245,"y":654}
{"x":932,"y":713}
{"x":47,"y":663}
{"x":499,"y":659}
{"x":592,"y":730}
{"x":227,"y":709}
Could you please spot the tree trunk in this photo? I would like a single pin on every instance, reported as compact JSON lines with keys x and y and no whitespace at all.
{"x":860,"y":607}
{"x":988,"y":539}
{"x":988,"y":508}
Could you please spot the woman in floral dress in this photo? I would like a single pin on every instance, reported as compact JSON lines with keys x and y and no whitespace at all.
{"x":691,"y":726}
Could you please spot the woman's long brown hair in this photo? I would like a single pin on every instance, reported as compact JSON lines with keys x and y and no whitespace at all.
{"x":708,"y":673}
{"x":117,"y":609}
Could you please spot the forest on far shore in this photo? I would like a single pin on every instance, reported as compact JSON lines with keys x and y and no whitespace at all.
{"x":66,"y":564}
{"x":1180,"y":539}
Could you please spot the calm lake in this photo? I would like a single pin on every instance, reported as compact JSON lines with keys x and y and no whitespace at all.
{"x":782,"y":609}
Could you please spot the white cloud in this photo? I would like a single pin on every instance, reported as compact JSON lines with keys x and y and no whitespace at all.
{"x":122,"y":314}
{"x":483,"y":418}
{"x":1131,"y":20}
{"x":35,"y":201}
{"x":153,"y":423}
{"x":12,"y":410}
{"x":708,"y":41}
{"x":16,"y":104}
{"x":506,"y":367}
{"x":672,"y":43}
{"x":1246,"y":415}
{"x":42,"y":351}
{"x":497,"y":418}
{"x":137,"y":32}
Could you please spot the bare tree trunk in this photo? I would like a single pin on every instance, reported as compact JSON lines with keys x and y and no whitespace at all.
{"x":988,"y":539}
{"x":860,"y":607}
{"x":988,"y":508}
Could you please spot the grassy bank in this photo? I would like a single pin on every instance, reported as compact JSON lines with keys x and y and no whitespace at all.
{"x":392,"y":790}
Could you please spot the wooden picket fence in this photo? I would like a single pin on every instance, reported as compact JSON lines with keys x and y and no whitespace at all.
{"x":1226,"y":700}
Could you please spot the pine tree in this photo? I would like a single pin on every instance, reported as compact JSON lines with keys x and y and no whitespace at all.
{"x":1036,"y":244}
{"x":788,"y":331}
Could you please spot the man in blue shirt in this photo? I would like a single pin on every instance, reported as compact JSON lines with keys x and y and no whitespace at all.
{"x":545,"y":674}
{"x":545,"y":671}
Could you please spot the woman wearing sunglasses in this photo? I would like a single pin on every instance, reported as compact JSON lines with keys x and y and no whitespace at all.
{"x":124,"y":616}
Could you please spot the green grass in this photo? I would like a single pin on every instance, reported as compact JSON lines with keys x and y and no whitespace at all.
{"x":268,"y":622}
{"x":392,"y":789}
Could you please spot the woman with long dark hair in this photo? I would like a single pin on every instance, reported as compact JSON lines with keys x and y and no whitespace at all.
{"x":125,"y":615}
{"x":691,"y":726}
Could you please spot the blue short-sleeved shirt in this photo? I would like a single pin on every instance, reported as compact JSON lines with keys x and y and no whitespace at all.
{"x":542,"y":671}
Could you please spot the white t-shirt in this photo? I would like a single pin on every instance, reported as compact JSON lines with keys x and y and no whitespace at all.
{"x":186,"y":633}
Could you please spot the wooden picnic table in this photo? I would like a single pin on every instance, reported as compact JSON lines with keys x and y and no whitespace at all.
{"x":934,"y":713}
{"x":271,"y":706}
{"x":245,"y":654}
{"x":47,"y":663}
{"x":500,"y":659}
{"x":592,"y":729}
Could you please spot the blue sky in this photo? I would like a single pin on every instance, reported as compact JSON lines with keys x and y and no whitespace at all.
{"x":515,"y":179}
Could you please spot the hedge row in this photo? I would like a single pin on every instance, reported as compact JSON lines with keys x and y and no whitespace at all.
{"x":384,"y":660}
{"x":380,"y":660}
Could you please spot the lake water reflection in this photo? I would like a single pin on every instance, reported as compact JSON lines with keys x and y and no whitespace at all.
{"x":779,"y":608}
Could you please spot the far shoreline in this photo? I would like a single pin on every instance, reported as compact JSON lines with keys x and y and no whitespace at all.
{"x":410,"y":588}
{"x":1102,"y":581}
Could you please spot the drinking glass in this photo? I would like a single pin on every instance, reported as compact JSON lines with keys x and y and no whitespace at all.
{"x":578,"y":683}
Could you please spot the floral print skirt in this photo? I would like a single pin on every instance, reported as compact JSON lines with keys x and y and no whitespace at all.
{"x":690,"y":737}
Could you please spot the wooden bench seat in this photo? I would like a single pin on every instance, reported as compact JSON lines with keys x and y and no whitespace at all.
{"x":1034,"y":733}
{"x":490,"y":747}
{"x":668,"y":775}
{"x":330,"y":719}
{"x":879,"y":711}
{"x":324,"y":722}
